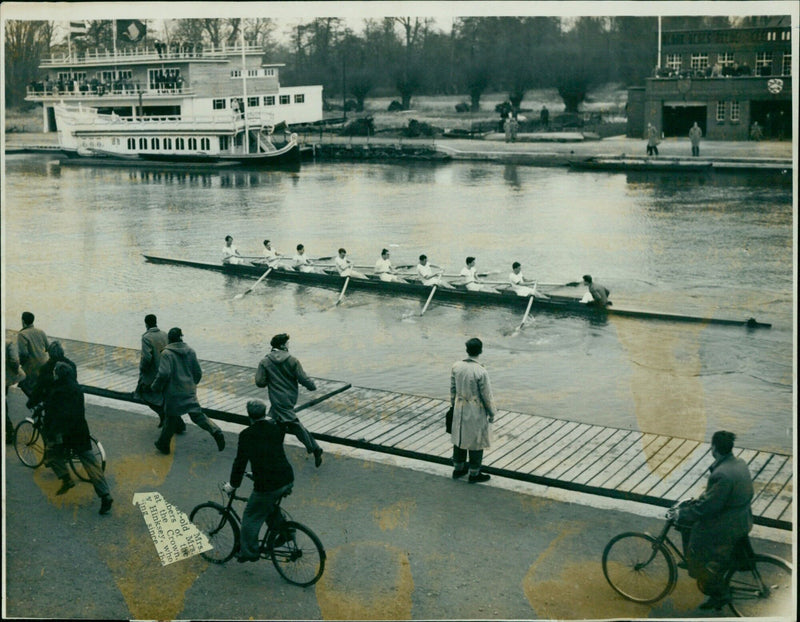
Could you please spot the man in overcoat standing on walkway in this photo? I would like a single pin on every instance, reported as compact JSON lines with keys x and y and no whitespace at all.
{"x":473,"y":411}
{"x":32,"y":351}
{"x":280,"y":372}
{"x":178,"y":375}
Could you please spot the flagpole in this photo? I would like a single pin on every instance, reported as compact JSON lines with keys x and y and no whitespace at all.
{"x":114,"y":35}
{"x":244,"y":92}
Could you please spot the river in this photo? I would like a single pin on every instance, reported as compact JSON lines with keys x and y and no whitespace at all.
{"x":74,"y":238}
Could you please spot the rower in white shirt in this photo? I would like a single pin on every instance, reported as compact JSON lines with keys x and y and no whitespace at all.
{"x":345,"y":267}
{"x":230,"y":254}
{"x":519,"y":282}
{"x":428,"y":276}
{"x":269,"y":256}
{"x":385,"y":270}
{"x":468,"y":273}
{"x":300,"y":262}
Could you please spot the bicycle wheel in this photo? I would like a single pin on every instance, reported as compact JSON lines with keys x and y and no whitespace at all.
{"x":763,"y":591}
{"x":639,"y":567}
{"x":220,"y":529}
{"x":99,"y":457}
{"x":28,"y":443}
{"x":297,"y":554}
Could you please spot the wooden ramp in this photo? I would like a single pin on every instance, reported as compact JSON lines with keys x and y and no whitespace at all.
{"x":612,"y":462}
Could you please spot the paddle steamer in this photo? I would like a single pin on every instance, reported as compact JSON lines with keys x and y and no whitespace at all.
{"x":193,"y":104}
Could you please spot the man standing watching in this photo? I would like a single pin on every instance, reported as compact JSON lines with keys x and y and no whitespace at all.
{"x":260,"y":444}
{"x":32,"y":350}
{"x":718,"y":519}
{"x":178,"y":375}
{"x":695,"y":134}
{"x":473,"y":411}
{"x":154,"y":340}
{"x":280,"y":372}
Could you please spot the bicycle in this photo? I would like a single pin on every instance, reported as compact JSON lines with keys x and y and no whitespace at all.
{"x":30,"y":448}
{"x":642,"y":568}
{"x":296,"y":551}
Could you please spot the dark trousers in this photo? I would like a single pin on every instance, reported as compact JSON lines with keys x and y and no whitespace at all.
{"x":260,"y":508}
{"x":56,"y":456}
{"x":652,"y":150}
{"x":695,"y":150}
{"x":475,"y":459}
{"x":172,"y":423}
{"x":296,"y":428}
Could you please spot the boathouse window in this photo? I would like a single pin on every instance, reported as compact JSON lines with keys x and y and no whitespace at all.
{"x":168,"y":144}
{"x":132,"y":143}
{"x":252,"y":73}
{"x":252,"y":102}
{"x":772,"y":36}
{"x":699,"y":61}
{"x":142,"y":143}
{"x":720,"y":111}
{"x":285,"y":99}
{"x":155,"y":144}
{"x":179,"y":145}
{"x":193,"y":143}
{"x":269,"y":100}
{"x":735,"y":111}
{"x":786,"y":70}
{"x":674,"y":62}
{"x":786,"y":35}
{"x":299,"y":98}
{"x":269,"y":72}
{"x":725,"y":59}
{"x":205,"y":144}
{"x":763,"y":63}
{"x":236,"y":73}
{"x":223,"y":143}
{"x":219,"y":104}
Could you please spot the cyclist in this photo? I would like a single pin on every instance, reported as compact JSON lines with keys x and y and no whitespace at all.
{"x":717,"y":520}
{"x":260,"y":444}
{"x":64,"y":409}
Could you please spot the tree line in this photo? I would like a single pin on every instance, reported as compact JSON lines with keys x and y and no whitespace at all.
{"x":404,"y":57}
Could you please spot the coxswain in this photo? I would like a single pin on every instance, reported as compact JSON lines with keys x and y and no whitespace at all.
{"x":599,"y":293}
{"x":385,"y":270}
{"x":428,"y":276}
{"x":519,"y":284}
{"x":300,"y":262}
{"x":230,"y":254}
{"x":470,"y":279}
{"x":345,"y":267}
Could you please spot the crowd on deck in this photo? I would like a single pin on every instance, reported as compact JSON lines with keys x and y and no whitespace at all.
{"x":160,"y":82}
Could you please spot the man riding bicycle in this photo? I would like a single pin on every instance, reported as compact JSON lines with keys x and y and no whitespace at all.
{"x":714,"y":523}
{"x":260,"y":444}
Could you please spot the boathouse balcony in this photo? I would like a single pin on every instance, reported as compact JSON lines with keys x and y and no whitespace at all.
{"x":100,"y":93}
{"x":149,"y":54}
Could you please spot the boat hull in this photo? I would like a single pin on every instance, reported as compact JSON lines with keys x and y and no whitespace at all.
{"x":564,"y":304}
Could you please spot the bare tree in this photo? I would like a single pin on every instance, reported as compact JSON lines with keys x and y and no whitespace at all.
{"x":26,"y":42}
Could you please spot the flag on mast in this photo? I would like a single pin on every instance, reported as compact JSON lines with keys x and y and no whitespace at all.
{"x":130,"y":30}
{"x":77,"y":28}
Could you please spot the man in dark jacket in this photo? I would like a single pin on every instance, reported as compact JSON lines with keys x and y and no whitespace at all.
{"x":45,"y":379}
{"x":154,"y":340}
{"x":719,"y":519}
{"x":177,"y":377}
{"x":280,"y":372}
{"x":260,"y":444}
{"x":65,"y":412}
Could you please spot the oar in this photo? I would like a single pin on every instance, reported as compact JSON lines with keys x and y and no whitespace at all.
{"x":250,"y":289}
{"x":344,"y":289}
{"x":430,"y":297}
{"x":527,"y":310}
{"x":570,"y":284}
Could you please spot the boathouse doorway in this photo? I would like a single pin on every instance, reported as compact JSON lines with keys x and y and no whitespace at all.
{"x":678,"y":118}
{"x":775,"y":117}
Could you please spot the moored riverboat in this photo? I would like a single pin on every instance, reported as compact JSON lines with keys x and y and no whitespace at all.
{"x":506,"y":297}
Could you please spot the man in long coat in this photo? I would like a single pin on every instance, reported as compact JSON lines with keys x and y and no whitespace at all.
{"x":154,"y":340}
{"x":719,"y":519}
{"x":473,"y":411}
{"x":178,"y":375}
{"x":32,"y":351}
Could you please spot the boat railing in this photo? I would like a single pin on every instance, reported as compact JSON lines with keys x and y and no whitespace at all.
{"x":36,"y":93}
{"x":166,"y":51}
{"x":90,"y":118}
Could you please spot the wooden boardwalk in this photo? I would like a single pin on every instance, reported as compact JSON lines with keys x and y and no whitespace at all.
{"x":617,"y":463}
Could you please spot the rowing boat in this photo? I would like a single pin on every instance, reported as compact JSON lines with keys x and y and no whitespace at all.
{"x":506,"y":298}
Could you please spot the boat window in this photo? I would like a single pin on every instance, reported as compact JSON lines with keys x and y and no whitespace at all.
{"x":236,"y":73}
{"x":269,"y":100}
{"x":223,"y":143}
{"x":252,"y":73}
{"x":252,"y":102}
{"x":168,"y":143}
{"x":142,"y":143}
{"x":155,"y":143}
{"x":179,"y":144}
{"x":132,"y":143}
{"x":205,"y":144}
{"x":299,"y":98}
{"x":193,"y":144}
{"x":285,"y":99}
{"x":219,"y":104}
